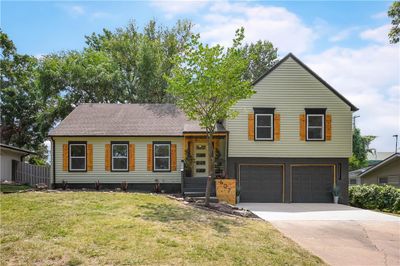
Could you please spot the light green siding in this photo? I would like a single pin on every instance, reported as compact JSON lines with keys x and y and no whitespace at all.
{"x":290,"y":89}
{"x":140,"y":175}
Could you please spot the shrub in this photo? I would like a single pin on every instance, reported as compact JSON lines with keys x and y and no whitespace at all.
{"x":376,"y":197}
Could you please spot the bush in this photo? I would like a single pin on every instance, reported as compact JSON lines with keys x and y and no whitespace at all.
{"x":376,"y":197}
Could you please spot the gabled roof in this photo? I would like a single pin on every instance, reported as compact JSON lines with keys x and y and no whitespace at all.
{"x":15,"y":149}
{"x":290,"y":55}
{"x":388,"y":160}
{"x":126,"y":120}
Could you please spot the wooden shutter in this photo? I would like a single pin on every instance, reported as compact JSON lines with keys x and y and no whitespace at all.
{"x":173,"y":157}
{"x":251,"y":126}
{"x":90,"y":157}
{"x":107,"y":157}
{"x":328,"y":127}
{"x":65,"y":157}
{"x":149,"y":157}
{"x":277,"y":127}
{"x":131,"y":157}
{"x":302,"y":120}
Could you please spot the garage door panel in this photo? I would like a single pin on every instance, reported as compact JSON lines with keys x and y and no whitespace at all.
{"x":312,"y":184}
{"x":261,"y":183}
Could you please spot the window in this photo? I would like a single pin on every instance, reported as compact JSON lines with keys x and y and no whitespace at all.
{"x":77,"y":157}
{"x":383,"y":180}
{"x":353,"y":181}
{"x":315,"y":126}
{"x":264,"y":126}
{"x":119,"y":156}
{"x":162,"y":156}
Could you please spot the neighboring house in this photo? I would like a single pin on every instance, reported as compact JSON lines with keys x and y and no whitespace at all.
{"x":376,"y":157}
{"x":354,"y":176}
{"x":7,"y":155}
{"x":290,"y":142}
{"x":387,"y":172}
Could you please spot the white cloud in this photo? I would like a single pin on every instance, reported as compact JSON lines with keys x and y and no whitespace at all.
{"x":342,"y":35}
{"x":173,"y":8}
{"x":379,"y":34}
{"x":380,"y":15}
{"x":77,"y":10}
{"x":276,"y":24}
{"x":369,"y":78}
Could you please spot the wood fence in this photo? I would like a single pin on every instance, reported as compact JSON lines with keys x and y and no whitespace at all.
{"x":25,"y":173}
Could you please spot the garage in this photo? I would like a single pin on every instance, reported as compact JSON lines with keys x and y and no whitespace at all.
{"x":312,"y":183}
{"x":261,"y":183}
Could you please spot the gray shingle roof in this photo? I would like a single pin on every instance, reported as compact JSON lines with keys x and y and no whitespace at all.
{"x":125,"y":120}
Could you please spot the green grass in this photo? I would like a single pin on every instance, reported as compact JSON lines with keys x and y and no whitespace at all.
{"x":95,"y":228}
{"x":9,"y":188}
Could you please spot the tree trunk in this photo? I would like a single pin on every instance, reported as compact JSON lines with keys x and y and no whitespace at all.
{"x":211,"y":169}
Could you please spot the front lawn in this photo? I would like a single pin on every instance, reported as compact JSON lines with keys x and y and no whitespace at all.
{"x":93,"y":228}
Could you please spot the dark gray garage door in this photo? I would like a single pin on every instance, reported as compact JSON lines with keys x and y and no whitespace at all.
{"x":261,"y":183}
{"x":312,"y":184}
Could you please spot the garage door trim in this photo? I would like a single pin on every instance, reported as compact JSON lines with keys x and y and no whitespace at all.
{"x":266,"y":164}
{"x":307,"y":165}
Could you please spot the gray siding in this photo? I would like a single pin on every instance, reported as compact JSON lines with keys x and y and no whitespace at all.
{"x":391,"y":171}
{"x":140,"y":175}
{"x":290,"y":89}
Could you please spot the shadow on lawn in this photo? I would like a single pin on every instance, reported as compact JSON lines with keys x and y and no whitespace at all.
{"x":167,"y":213}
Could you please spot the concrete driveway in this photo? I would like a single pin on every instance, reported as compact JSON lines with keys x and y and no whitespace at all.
{"x":338,"y":234}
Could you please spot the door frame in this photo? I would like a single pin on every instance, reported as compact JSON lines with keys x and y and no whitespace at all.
{"x":308,"y":165}
{"x":266,"y":164}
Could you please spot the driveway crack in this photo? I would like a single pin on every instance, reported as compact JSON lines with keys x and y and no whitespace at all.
{"x":372,"y":243}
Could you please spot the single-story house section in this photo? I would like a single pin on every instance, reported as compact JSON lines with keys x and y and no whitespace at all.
{"x":387,"y":172}
{"x":289,"y":143}
{"x":8,"y":154}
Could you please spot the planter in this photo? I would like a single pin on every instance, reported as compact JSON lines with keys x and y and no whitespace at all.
{"x":226,"y":190}
{"x":336,"y":199}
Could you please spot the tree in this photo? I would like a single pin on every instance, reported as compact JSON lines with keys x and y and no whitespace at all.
{"x":262,"y":56}
{"x":394,"y":14}
{"x":206,"y":82}
{"x":20,"y":100}
{"x":360,"y":150}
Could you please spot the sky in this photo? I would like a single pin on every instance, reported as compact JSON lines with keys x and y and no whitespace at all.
{"x":345,"y":42}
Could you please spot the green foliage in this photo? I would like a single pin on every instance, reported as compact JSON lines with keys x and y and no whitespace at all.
{"x":394,"y":14}
{"x":375,"y":197}
{"x":360,"y":150}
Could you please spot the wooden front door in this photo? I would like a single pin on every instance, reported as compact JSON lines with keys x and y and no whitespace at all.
{"x":200,"y":159}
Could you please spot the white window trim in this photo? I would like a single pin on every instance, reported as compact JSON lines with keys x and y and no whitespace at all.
{"x":159,"y":157}
{"x":271,"y":127}
{"x":119,"y":157}
{"x":322,"y":127}
{"x":76,"y":157}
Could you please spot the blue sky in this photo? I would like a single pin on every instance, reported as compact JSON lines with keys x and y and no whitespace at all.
{"x":345,"y":42}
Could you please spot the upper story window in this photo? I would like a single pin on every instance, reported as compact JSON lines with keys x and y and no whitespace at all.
{"x":162,"y":156}
{"x":77,"y":157}
{"x":315,"y":124}
{"x":264,"y":123}
{"x":119,"y":156}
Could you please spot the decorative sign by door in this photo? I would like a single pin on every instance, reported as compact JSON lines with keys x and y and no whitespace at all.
{"x":226,"y":190}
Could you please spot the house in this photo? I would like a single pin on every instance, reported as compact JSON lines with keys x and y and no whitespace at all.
{"x":376,"y":157}
{"x":8,"y":154}
{"x":289,"y":143}
{"x":387,"y":172}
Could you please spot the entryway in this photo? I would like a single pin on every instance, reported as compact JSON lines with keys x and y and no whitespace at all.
{"x":200,"y":159}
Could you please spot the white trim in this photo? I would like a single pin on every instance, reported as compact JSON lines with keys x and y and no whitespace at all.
{"x":161,"y":157}
{"x":270,"y":127}
{"x":120,"y":157}
{"x":322,"y":126}
{"x":76,"y":157}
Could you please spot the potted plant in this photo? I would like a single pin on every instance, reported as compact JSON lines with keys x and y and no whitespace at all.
{"x":189,"y":160}
{"x":336,"y":194}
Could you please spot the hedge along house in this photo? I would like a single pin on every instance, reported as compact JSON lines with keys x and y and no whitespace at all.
{"x":290,"y":142}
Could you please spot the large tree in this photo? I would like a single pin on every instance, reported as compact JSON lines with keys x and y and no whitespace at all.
{"x":360,"y":150}
{"x":20,"y":100}
{"x":206,"y":82}
{"x":394,"y":14}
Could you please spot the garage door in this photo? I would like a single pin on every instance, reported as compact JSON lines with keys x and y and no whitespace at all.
{"x":261,"y":183}
{"x":312,"y":184}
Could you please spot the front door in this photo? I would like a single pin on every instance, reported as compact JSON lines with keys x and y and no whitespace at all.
{"x":200,"y":159}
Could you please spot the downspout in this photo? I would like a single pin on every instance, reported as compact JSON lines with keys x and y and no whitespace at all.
{"x":53,"y":161}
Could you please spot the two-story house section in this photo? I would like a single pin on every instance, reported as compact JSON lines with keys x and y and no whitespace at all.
{"x":292,"y":139}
